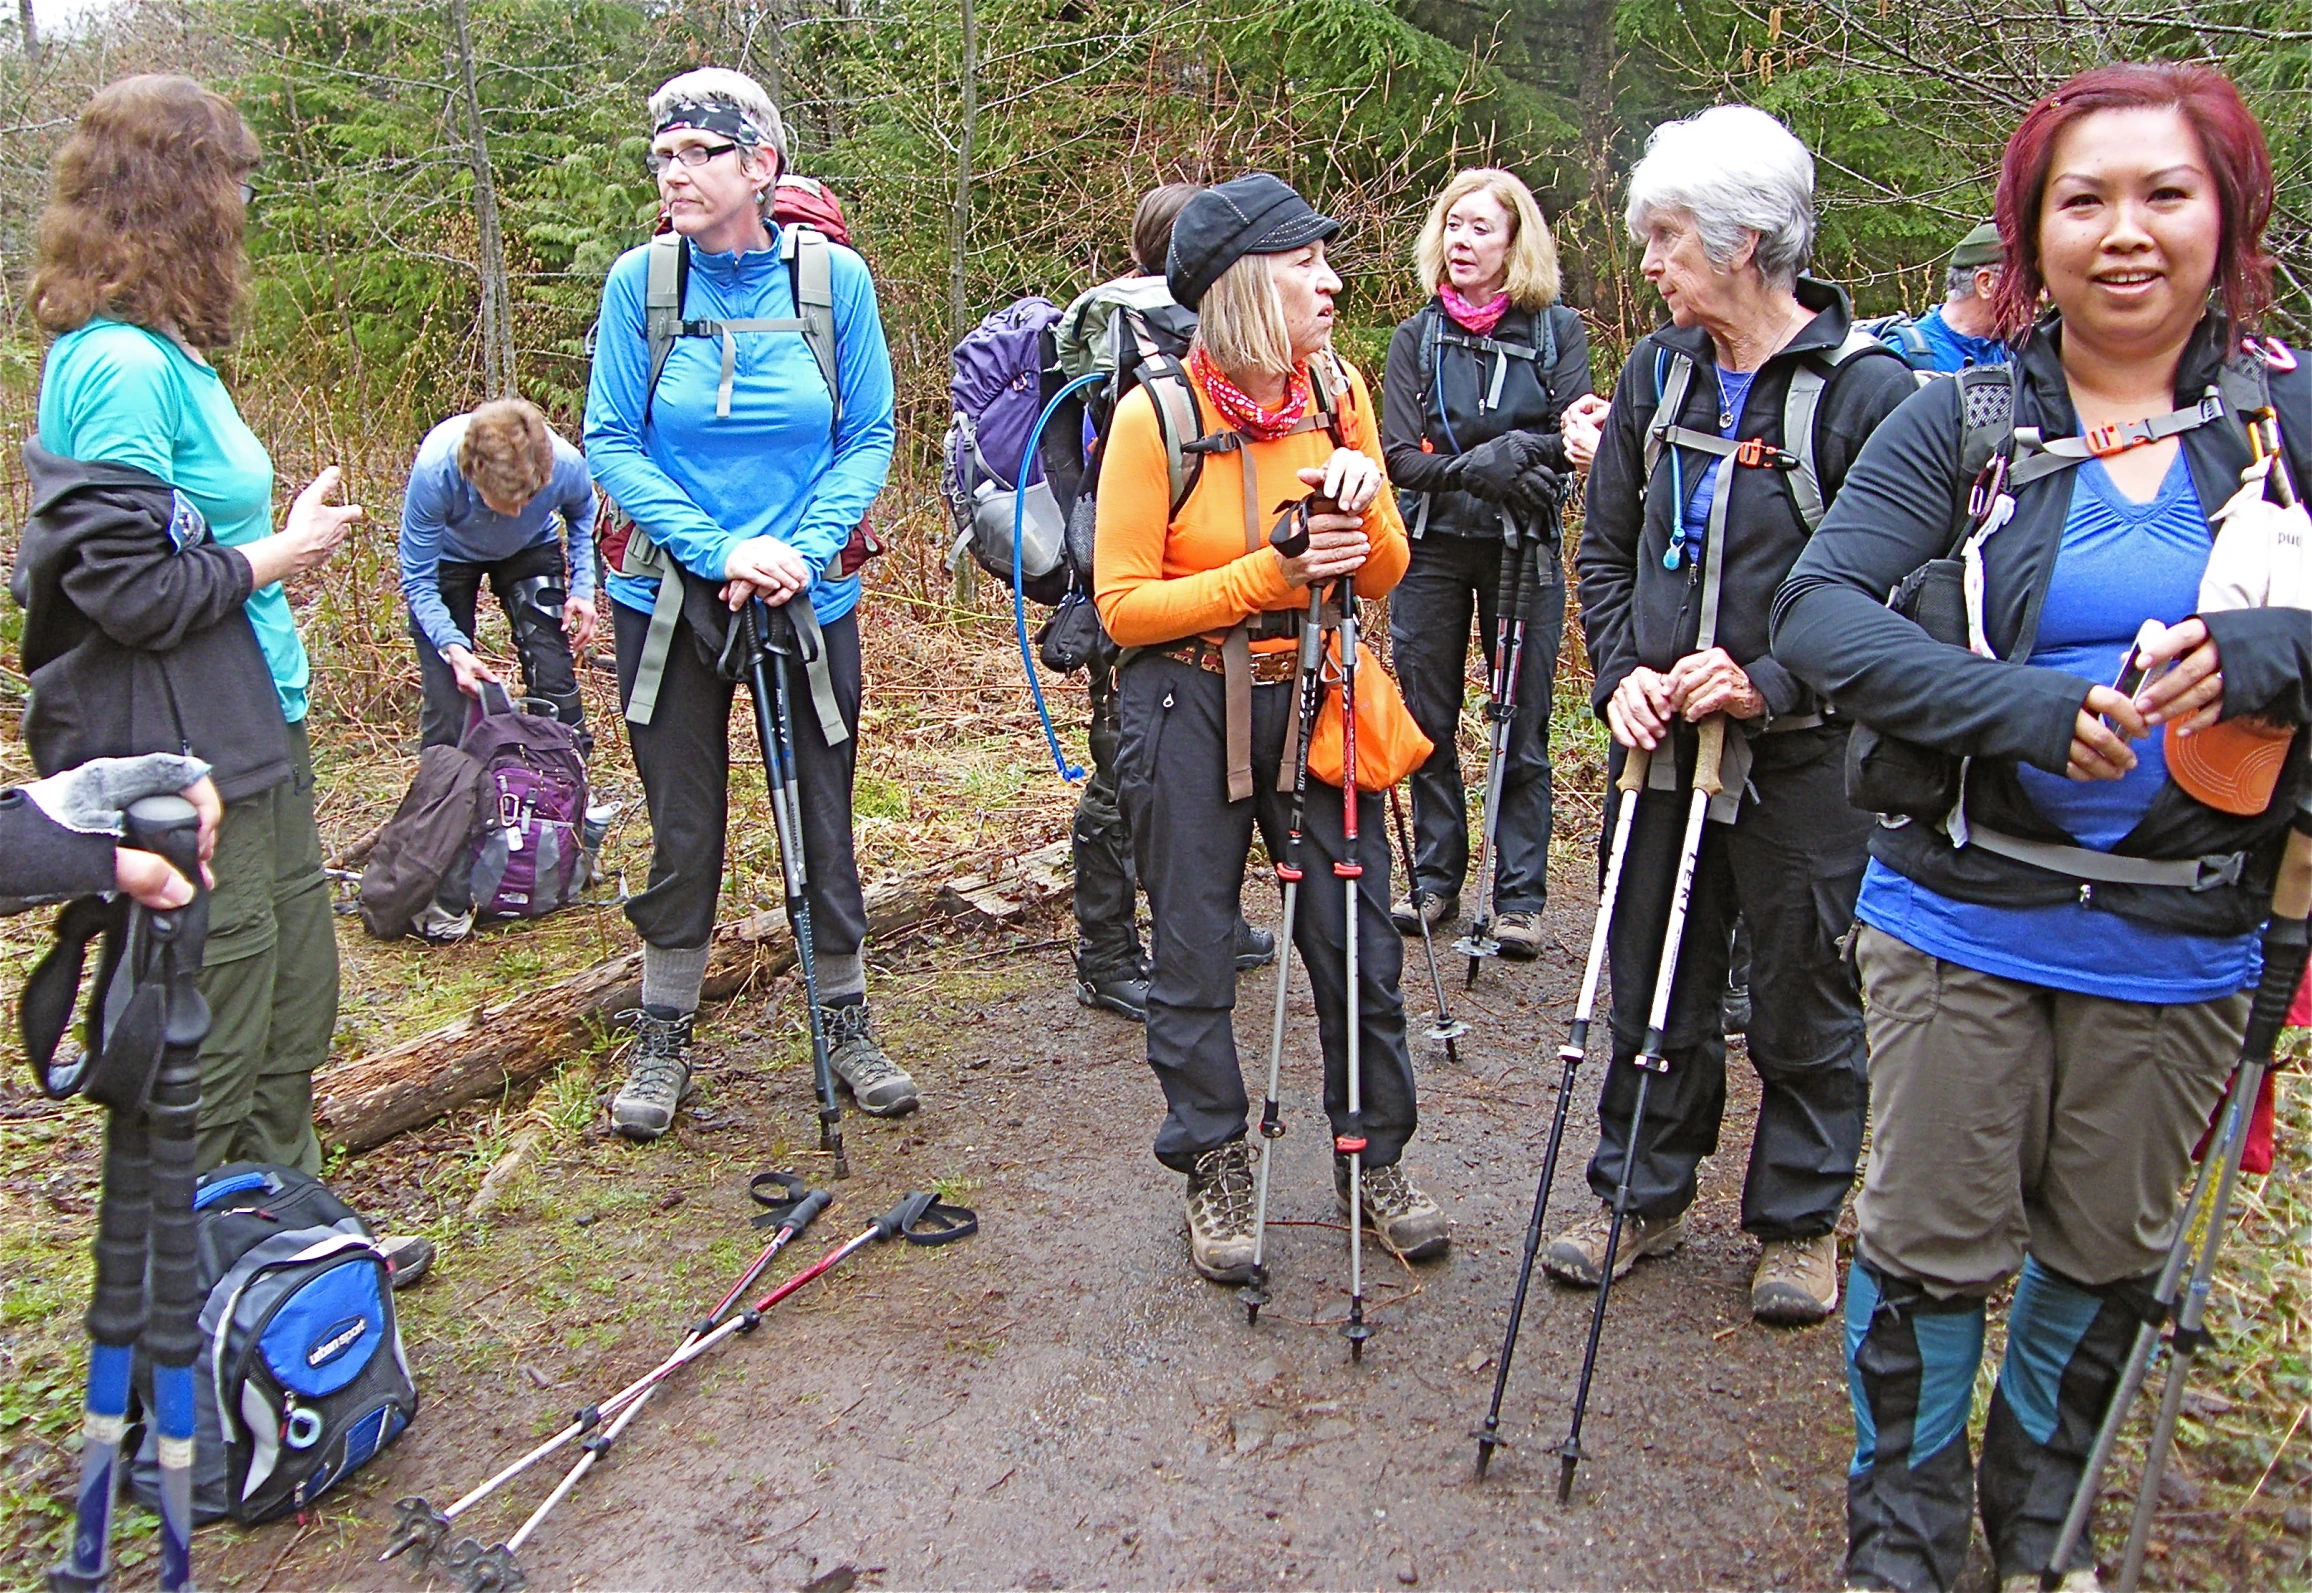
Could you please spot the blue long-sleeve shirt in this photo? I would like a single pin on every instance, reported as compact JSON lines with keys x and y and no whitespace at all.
{"x":775,"y":466}
{"x":444,"y":518}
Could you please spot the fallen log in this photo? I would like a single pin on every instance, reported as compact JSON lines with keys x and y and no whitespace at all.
{"x":367,"y":1101}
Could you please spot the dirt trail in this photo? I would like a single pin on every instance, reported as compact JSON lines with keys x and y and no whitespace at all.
{"x":1059,"y":1402}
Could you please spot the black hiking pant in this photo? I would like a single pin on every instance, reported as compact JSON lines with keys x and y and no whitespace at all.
{"x":1191,"y":843}
{"x":1100,"y":842}
{"x":1792,"y":865}
{"x":1429,"y":616}
{"x":533,"y":613}
{"x":684,"y":758}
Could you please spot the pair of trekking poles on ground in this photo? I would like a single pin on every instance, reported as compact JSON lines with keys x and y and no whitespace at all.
{"x":425,"y":1532}
{"x":2185,"y":1280}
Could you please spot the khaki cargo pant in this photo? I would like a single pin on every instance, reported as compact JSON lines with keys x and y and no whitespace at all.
{"x":2008,"y":1118}
{"x":270,"y":976}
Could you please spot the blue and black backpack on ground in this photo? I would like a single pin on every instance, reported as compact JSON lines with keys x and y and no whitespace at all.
{"x":301,"y":1378}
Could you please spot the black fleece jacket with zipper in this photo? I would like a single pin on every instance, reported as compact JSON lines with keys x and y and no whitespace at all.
{"x":1901,"y":503}
{"x":1634,"y":611}
{"x":136,"y":638}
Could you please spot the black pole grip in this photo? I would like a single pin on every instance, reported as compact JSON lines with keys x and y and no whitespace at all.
{"x":938,"y":1223}
{"x":169,"y":826}
{"x":2287,"y":947}
{"x":807,"y":1209}
{"x":899,"y":1218}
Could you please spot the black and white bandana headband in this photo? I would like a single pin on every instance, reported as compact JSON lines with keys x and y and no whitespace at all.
{"x":727,"y":120}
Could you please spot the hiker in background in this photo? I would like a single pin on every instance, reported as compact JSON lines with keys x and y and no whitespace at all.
{"x":150,"y":574}
{"x":741,"y":482}
{"x":1249,"y":257}
{"x":1470,"y":399}
{"x":1693,"y":518}
{"x":2051,"y":1025}
{"x":1964,"y":329}
{"x":1111,"y":966}
{"x":494,"y":495}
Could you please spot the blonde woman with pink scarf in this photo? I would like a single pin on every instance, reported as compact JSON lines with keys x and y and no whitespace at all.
{"x":1474,"y":386}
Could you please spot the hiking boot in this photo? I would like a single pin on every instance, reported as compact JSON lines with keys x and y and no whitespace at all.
{"x":1437,"y":908}
{"x":1220,"y":1198}
{"x":658,"y":1079}
{"x":1519,"y":935}
{"x":1255,"y":948}
{"x":880,"y":1085}
{"x":1734,"y":1012}
{"x":408,"y":1257}
{"x":1578,"y":1255}
{"x":1121,"y":991}
{"x":1796,"y":1284}
{"x":1405,"y":1220}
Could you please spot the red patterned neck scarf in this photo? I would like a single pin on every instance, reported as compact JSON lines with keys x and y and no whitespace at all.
{"x":1478,"y":318}
{"x":1237,"y":407}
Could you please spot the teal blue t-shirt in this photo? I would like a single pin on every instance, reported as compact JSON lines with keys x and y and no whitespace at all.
{"x":117,"y":394}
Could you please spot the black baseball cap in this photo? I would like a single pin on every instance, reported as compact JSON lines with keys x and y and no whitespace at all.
{"x":1255,"y":214}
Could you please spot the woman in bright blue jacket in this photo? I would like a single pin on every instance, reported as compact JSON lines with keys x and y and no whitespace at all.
{"x":744,"y":472}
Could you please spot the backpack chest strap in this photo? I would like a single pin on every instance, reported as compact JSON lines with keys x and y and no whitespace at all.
{"x":2047,"y":456}
{"x":1502,"y":353}
{"x":726,"y":331}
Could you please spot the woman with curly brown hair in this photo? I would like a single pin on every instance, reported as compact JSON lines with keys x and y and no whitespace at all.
{"x":151,"y":574}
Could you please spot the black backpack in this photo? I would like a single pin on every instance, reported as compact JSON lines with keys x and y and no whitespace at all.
{"x":301,"y":1377}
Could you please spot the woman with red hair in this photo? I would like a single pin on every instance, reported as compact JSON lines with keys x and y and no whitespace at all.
{"x":2057,"y":932}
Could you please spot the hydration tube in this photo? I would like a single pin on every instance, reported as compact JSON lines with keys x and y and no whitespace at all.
{"x":1068,"y":771}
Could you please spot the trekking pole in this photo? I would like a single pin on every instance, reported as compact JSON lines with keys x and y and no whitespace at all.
{"x":920,"y":1217}
{"x":147,"y":1266}
{"x":1350,"y":872}
{"x":1649,"y":1061}
{"x":2284,"y":961}
{"x":1444,"y":1028}
{"x":1572,"y":1054}
{"x":775,"y":729}
{"x":423,"y":1529}
{"x":1306,"y":689}
{"x":1500,"y":714}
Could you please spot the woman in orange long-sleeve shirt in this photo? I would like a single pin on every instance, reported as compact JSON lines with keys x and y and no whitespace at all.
{"x":1188,"y":587}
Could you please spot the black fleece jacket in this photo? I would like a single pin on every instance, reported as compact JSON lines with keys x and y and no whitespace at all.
{"x":1531,"y":400}
{"x":135,"y":635}
{"x":1635,"y":612}
{"x":1832,"y":628}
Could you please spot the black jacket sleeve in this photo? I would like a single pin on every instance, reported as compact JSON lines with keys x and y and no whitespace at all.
{"x":2267,"y":662}
{"x":1405,"y":417}
{"x":1833,"y":630}
{"x":1606,"y":565}
{"x":43,"y":861}
{"x":1862,"y":395}
{"x":141,"y":590}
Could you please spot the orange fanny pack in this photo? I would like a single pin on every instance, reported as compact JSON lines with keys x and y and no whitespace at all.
{"x":1390,"y":745}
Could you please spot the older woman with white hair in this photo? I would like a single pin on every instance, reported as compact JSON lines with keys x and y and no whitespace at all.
{"x":1729,"y":430}
{"x":1470,"y":401}
{"x":744,"y":463}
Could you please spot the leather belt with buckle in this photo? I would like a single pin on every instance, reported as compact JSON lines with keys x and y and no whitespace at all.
{"x":1268,"y":669}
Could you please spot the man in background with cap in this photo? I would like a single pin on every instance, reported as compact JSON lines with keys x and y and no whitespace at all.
{"x":1962,"y":330}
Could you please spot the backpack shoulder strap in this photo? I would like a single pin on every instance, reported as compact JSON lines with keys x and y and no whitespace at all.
{"x":805,"y":250}
{"x":1673,"y":374}
{"x":1800,"y":406}
{"x":662,"y":305}
{"x":1432,"y":317}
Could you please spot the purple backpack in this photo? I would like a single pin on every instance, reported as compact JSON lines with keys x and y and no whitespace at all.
{"x":994,"y":394}
{"x":531,"y":811}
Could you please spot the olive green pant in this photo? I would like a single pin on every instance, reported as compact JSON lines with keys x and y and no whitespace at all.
{"x":270,"y":976}
{"x":2010,"y":1119}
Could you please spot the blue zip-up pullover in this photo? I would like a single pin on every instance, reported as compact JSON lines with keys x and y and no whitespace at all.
{"x":699,"y":484}
{"x":443,"y":517}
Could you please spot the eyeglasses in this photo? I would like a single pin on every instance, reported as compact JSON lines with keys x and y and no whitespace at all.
{"x":691,"y":155}
{"x":248,"y":195}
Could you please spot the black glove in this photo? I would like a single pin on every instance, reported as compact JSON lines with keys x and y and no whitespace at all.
{"x":1538,"y":490}
{"x":1490,"y":470}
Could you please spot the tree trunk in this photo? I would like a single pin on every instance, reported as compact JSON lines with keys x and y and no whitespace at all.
{"x":367,"y":1101}
{"x":966,"y":573}
{"x":497,"y":299}
{"x":28,"y":30}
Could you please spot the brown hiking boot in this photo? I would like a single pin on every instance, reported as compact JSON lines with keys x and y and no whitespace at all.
{"x":1796,"y":1283}
{"x":1519,"y":935}
{"x":1437,"y":907}
{"x":1404,"y":1219}
{"x":1220,"y":1196}
{"x":1578,"y":1255}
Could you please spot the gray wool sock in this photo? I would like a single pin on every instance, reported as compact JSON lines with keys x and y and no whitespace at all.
{"x":671,"y":976}
{"x":841,"y":976}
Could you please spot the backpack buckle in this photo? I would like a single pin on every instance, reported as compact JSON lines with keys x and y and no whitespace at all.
{"x":1756,"y":452}
{"x":2117,"y":438}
